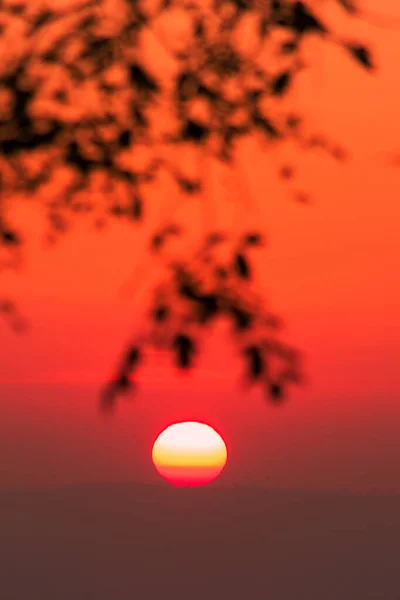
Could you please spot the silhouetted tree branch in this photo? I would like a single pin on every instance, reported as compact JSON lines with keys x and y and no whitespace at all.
{"x":81,"y":102}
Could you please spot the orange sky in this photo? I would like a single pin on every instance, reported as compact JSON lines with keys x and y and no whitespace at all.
{"x":331,"y":271}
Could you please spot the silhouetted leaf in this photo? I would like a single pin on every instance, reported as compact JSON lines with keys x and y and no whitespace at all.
{"x":286,"y":172}
{"x":210,"y":94}
{"x":349,"y":5}
{"x":255,"y":362}
{"x":339,"y":153}
{"x":11,"y":238}
{"x":293,"y":121}
{"x":17,"y":9}
{"x":137,"y":208}
{"x":289,"y":47}
{"x":362,"y":54}
{"x":132,"y":358}
{"x":41,"y":19}
{"x":125,"y":138}
{"x":199,"y":29}
{"x":217,"y":237}
{"x":161,"y":313}
{"x":123,"y":383}
{"x":303,"y":21}
{"x":157,"y":241}
{"x":188,"y":186}
{"x":117,"y":210}
{"x":51,"y":56}
{"x":242,"y":318}
{"x":140,"y":119}
{"x":142,"y":80}
{"x":221,"y":273}
{"x":254,"y":239}
{"x":173,"y":229}
{"x":188,"y":290}
{"x":242,"y":266}
{"x":302,"y":197}
{"x":275,"y":392}
{"x":194,"y":131}
{"x":185,"y":348}
{"x":186,"y":86}
{"x":208,"y":307}
{"x":58,"y":222}
{"x":263,"y":27}
{"x":276,"y":9}
{"x":119,"y":386}
{"x":281,"y":83}
{"x":108,"y":398}
{"x":265,"y":125}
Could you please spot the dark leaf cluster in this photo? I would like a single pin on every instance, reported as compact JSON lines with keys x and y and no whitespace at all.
{"x":80,"y":101}
{"x":86,"y":99}
{"x":193,"y":297}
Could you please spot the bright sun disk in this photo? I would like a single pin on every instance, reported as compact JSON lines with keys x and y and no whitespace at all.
{"x":189,"y":454}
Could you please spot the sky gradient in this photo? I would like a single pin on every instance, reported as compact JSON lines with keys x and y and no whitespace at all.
{"x":330,"y":270}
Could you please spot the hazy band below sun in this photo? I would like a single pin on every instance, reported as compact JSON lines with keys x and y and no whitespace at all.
{"x":189,"y":454}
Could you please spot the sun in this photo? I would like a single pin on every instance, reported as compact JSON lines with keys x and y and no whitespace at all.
{"x":189,"y":454}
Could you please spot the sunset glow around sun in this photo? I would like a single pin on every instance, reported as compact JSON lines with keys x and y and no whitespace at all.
{"x":189,"y":454}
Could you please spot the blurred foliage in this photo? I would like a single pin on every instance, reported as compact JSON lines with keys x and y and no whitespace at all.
{"x":80,"y":101}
